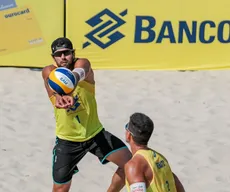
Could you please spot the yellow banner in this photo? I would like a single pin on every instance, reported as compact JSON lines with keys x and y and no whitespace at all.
{"x":26,"y":36}
{"x":27,"y":29}
{"x":151,"y":34}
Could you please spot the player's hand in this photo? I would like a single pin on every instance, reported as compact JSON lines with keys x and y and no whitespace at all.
{"x":64,"y":102}
{"x":69,"y":100}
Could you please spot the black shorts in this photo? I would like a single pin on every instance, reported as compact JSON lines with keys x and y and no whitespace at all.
{"x":67,"y":154}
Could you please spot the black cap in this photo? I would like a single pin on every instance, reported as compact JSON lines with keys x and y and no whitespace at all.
{"x":61,"y":43}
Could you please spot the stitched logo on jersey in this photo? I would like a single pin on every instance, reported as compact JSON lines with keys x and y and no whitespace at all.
{"x":105,"y":25}
{"x":160,"y":164}
{"x":77,"y":106}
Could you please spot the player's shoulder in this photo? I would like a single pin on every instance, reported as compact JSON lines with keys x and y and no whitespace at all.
{"x":47,"y":69}
{"x":134,"y":165}
{"x":134,"y":169}
{"x":84,"y":61}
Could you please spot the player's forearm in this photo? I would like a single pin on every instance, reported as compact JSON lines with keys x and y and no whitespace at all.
{"x":82,"y":68}
{"x":79,"y":73}
{"x":50,"y":92}
{"x":45,"y":74}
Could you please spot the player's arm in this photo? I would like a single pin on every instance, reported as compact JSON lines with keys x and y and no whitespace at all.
{"x":83,"y":71}
{"x":45,"y":75}
{"x":135,"y":175}
{"x":179,"y":186}
{"x":56,"y":99}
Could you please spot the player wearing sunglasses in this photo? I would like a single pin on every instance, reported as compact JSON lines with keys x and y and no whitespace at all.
{"x":148,"y":170}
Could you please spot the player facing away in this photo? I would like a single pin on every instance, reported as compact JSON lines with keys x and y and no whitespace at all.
{"x":148,"y":170}
{"x":78,"y":128}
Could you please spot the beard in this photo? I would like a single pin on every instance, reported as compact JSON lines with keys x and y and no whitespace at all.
{"x":64,"y":63}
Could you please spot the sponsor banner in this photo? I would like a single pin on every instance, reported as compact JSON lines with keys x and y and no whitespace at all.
{"x":27,"y":31}
{"x":151,"y":34}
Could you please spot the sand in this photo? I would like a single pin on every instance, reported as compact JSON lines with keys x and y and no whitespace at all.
{"x":190,"y":110}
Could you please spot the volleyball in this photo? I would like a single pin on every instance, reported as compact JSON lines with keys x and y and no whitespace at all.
{"x":62,"y":81}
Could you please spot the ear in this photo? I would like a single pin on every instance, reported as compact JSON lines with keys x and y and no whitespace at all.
{"x":129,"y":136}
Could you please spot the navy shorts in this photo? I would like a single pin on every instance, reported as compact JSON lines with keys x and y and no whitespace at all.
{"x":67,"y":154}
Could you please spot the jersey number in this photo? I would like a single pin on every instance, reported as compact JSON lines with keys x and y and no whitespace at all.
{"x":74,"y":107}
{"x":78,"y":119}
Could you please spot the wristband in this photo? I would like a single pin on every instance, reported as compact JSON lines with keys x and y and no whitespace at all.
{"x":140,"y":187}
{"x":80,"y":72}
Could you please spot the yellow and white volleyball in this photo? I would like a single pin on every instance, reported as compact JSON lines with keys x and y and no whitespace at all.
{"x":62,"y":81}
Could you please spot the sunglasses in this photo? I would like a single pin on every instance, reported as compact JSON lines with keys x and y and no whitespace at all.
{"x":127,"y":129}
{"x":59,"y":53}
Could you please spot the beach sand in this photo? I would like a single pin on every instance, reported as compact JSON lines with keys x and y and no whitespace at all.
{"x":190,"y":111}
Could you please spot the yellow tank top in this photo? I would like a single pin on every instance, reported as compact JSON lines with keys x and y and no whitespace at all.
{"x":163,"y":180}
{"x":80,"y":122}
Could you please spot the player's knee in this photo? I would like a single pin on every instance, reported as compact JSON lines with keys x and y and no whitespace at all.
{"x":61,"y":187}
{"x":62,"y":181}
{"x":121,"y":171}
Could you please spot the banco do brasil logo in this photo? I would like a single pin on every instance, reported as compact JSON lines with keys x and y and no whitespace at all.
{"x":105,"y":28}
{"x":149,"y":29}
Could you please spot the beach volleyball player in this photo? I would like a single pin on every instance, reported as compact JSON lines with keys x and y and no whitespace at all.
{"x":78,"y":128}
{"x":148,"y":170}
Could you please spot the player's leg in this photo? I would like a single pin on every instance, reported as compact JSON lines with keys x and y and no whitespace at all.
{"x":120,"y":158}
{"x":62,"y":187}
{"x":66,"y":155}
{"x":109,"y":148}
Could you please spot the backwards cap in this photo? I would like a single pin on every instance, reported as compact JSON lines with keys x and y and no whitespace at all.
{"x":61,"y":43}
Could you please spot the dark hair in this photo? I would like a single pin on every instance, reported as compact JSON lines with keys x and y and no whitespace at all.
{"x":141,"y":128}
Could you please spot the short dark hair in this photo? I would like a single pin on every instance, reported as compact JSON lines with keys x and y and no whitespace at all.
{"x":141,"y":128}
